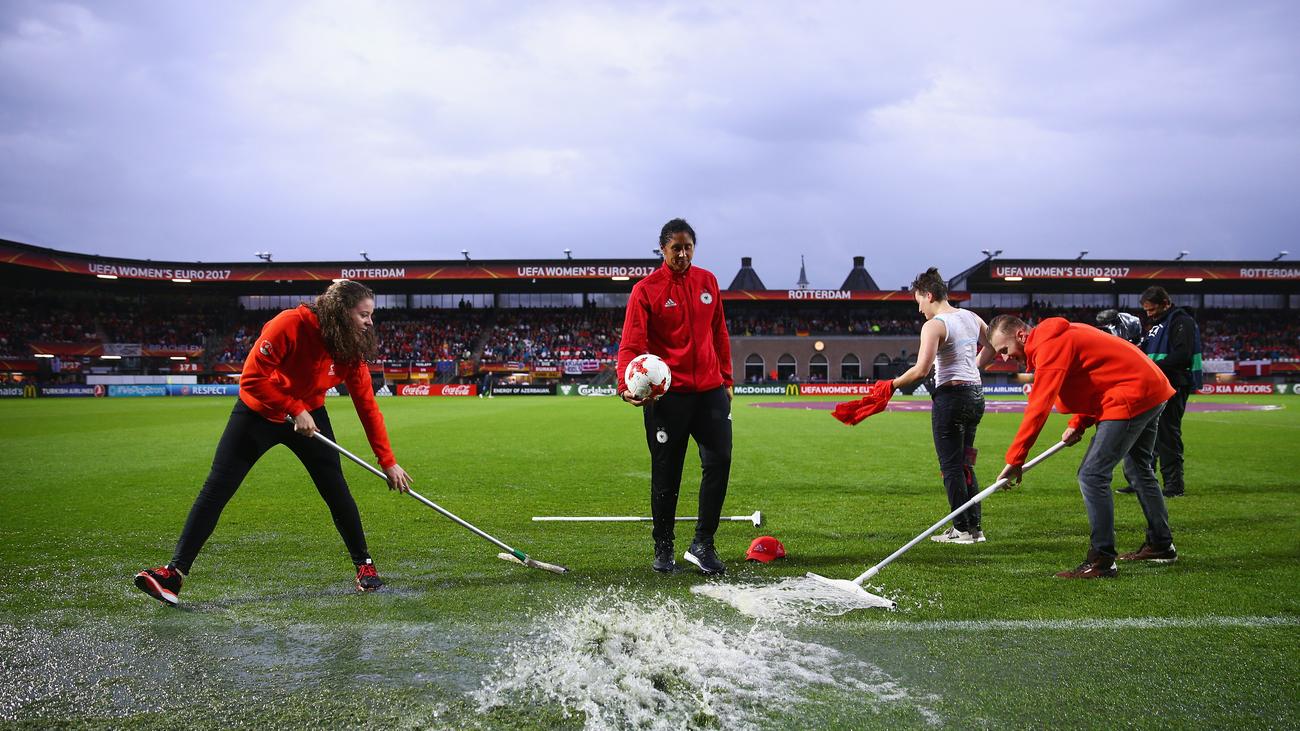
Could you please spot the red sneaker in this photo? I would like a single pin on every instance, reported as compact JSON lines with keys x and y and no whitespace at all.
{"x":367,"y":578}
{"x":162,"y":583}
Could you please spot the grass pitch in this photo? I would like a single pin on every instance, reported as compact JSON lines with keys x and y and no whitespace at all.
{"x":270,"y":634}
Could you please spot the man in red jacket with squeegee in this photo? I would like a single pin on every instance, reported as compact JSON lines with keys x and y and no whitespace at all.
{"x":1103,"y":381}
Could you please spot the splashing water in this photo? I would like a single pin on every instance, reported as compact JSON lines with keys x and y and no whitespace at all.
{"x":791,"y":601}
{"x":625,"y":666}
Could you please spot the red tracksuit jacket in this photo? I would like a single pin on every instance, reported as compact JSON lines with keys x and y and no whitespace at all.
{"x":288,"y":371}
{"x":678,"y":317}
{"x":1086,"y":372}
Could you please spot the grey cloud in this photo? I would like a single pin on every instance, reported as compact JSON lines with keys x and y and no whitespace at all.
{"x":912,"y":135}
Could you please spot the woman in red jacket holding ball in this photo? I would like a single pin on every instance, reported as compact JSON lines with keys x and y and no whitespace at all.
{"x":300,"y":354}
{"x":676,"y":314}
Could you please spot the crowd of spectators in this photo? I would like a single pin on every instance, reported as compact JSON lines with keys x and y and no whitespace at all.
{"x":529,"y":335}
{"x":749,"y":321}
{"x":426,"y":335}
{"x":1249,"y":335}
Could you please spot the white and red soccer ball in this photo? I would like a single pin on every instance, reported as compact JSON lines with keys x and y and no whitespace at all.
{"x":647,"y":376}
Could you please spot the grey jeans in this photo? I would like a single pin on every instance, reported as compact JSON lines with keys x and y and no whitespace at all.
{"x":1133,"y":441}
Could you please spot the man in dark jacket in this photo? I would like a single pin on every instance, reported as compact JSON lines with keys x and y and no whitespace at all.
{"x":1174,"y":343}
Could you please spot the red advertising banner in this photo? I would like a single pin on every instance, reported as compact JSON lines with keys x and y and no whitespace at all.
{"x":48,"y":259}
{"x":437,"y":389}
{"x":834,"y":389}
{"x":825,"y":295}
{"x":89,"y":348}
{"x":19,"y":365}
{"x":1119,"y":270}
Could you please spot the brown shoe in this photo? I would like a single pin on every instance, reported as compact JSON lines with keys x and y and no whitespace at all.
{"x":1096,"y":566}
{"x":1154,"y":555}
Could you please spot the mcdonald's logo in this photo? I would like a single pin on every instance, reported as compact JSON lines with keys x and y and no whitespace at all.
{"x":29,"y":391}
{"x":791,"y":389}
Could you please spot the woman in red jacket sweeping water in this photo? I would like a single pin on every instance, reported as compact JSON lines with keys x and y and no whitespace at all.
{"x":300,"y":354}
{"x":676,"y":314}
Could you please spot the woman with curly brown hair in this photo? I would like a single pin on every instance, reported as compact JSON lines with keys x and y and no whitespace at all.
{"x":300,"y":354}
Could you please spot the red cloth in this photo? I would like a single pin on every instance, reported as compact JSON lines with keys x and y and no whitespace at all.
{"x":678,"y":317}
{"x":288,"y":371}
{"x":1086,"y":372}
{"x":853,"y":412}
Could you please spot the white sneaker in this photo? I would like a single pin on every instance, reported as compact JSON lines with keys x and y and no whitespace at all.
{"x":952,"y":535}
{"x":979,"y":535}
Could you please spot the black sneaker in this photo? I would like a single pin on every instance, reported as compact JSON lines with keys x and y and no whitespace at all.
{"x":1154,"y":555}
{"x":1095,"y":566}
{"x":1172,"y":493}
{"x":367,"y":578}
{"x":162,"y":583}
{"x":664,"y":562}
{"x":1127,"y":490}
{"x":705,"y":558}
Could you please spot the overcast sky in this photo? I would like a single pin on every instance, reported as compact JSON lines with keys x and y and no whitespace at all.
{"x":915,"y":134}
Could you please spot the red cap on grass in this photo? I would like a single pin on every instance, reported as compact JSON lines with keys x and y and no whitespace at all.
{"x":765,"y":548}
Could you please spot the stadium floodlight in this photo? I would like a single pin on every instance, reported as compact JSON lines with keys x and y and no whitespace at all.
{"x":1181,"y":254}
{"x":988,"y":255}
{"x":1081,"y":255}
{"x":568,"y":253}
{"x":263,"y":255}
{"x":364,"y":255}
{"x":1281,"y":254}
{"x":465,"y":253}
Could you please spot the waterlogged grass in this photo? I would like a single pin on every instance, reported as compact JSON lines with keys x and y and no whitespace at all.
{"x":270,"y":634}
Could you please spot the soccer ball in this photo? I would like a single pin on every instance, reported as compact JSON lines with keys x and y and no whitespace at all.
{"x":647,"y":376}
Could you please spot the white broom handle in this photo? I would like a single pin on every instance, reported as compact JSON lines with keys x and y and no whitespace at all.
{"x":983,"y":494}
{"x":622,"y":518}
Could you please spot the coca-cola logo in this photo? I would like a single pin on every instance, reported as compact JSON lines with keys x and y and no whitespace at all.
{"x":446,"y":389}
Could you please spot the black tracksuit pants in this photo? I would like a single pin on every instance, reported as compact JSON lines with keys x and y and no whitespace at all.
{"x":669,"y":421}
{"x":955,"y":414}
{"x":247,"y":437}
{"x":1169,"y":440}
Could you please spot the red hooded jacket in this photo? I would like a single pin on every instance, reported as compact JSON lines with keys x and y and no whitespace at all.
{"x":288,"y":371}
{"x":1086,"y":372}
{"x":678,"y":317}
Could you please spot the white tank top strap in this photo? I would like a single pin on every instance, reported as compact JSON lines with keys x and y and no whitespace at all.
{"x":955,"y":359}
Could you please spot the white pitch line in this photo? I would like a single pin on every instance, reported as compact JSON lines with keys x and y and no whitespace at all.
{"x":981,"y":625}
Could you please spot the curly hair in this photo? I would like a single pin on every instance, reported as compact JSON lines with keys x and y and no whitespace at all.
{"x":675,"y":226}
{"x":932,"y":284}
{"x":345,"y":343}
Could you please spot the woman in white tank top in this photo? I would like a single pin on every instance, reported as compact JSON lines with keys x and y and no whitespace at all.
{"x":950,"y":344}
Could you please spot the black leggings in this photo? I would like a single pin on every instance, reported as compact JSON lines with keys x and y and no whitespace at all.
{"x":247,"y":437}
{"x":669,"y":423}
